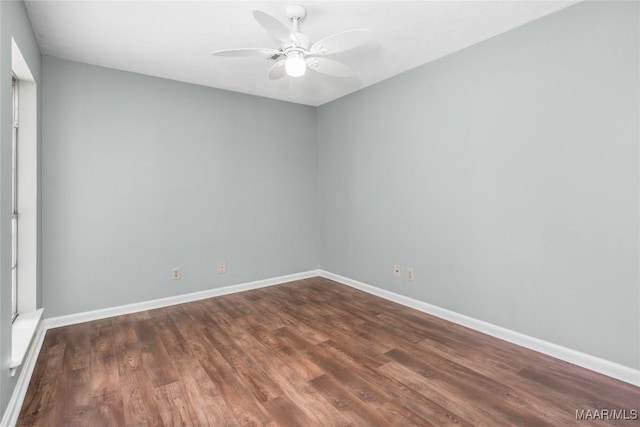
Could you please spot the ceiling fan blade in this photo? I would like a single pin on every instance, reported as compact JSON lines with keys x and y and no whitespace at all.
{"x":277,"y":70}
{"x":330,"y":67}
{"x":249,"y":51}
{"x":274,"y":27}
{"x":340,"y":42}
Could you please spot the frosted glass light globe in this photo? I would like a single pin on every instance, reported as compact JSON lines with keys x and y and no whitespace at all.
{"x":295,"y":65}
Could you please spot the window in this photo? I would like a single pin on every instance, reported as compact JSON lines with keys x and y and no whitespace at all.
{"x":24,"y":208}
{"x":14,"y":200}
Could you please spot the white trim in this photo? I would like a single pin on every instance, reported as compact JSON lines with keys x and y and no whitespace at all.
{"x":71,"y":319}
{"x":10,"y":417}
{"x":27,"y":182}
{"x":606,"y":367}
{"x":23,"y":330}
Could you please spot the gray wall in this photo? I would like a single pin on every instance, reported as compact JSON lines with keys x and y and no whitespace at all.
{"x":142,"y":174}
{"x":13,"y":23}
{"x":507,"y":175}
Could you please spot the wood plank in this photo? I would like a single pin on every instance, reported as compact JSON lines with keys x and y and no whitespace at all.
{"x":241,"y":403}
{"x":104,"y":381}
{"x":155,"y":359}
{"x":493,"y":396}
{"x":136,"y":388}
{"x":175,"y":405}
{"x":370,"y":395}
{"x":39,"y":404}
{"x":140,"y":407}
{"x":396,"y":390}
{"x":75,"y":404}
{"x":442,"y":396}
{"x":285,"y":412}
{"x":354,"y":408}
{"x":293,"y":357}
{"x":209,"y":405}
{"x":247,"y":369}
{"x":295,"y":387}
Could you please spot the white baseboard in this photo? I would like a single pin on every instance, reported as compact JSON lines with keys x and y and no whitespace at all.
{"x":71,"y":319}
{"x":606,"y":367}
{"x":10,"y":417}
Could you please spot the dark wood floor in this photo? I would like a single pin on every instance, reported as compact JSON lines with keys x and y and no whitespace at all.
{"x":307,"y":353}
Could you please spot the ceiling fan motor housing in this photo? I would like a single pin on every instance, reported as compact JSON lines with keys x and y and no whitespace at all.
{"x":296,"y":12}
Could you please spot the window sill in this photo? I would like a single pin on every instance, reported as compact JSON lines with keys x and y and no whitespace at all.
{"x":22,"y":332}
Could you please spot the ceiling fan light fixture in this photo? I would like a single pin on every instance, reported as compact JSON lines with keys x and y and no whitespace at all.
{"x":295,"y":65}
{"x":296,"y":52}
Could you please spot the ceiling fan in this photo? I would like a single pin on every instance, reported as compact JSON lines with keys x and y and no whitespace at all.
{"x":296,"y":53}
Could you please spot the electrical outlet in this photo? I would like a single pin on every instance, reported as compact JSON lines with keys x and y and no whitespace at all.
{"x":222,"y":267}
{"x":176,"y":273}
{"x":396,"y":270}
{"x":410,"y":273}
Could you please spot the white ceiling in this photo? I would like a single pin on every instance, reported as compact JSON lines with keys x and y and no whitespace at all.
{"x":174,"y":39}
